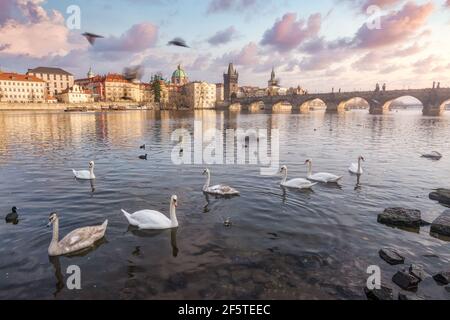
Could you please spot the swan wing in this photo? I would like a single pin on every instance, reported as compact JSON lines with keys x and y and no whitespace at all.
{"x":148,"y":219}
{"x":299,"y":183}
{"x":325,"y":177}
{"x":82,"y":238}
{"x":83,"y":174}
{"x":221,"y":189}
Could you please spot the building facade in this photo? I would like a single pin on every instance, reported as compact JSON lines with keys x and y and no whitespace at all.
{"x":220,"y":94}
{"x":76,"y":94}
{"x":230,"y":83}
{"x":21,"y":88}
{"x":57,"y":79}
{"x":200,"y":95}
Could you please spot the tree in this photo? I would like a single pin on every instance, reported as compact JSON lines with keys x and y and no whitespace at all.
{"x":156,"y":87}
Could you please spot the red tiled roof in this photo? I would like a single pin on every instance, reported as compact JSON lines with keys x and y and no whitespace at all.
{"x":19,"y":77}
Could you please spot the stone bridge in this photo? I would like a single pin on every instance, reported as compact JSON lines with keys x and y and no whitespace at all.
{"x":433,"y":100}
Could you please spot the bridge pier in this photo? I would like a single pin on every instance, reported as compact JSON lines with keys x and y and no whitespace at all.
{"x":334,"y":107}
{"x":433,"y":110}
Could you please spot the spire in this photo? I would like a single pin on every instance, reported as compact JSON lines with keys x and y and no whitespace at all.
{"x":90,"y":74}
{"x":272,"y":76}
{"x":231,"y":69}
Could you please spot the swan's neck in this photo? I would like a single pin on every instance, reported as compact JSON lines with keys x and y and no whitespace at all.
{"x":309,"y":169}
{"x":285,"y":173}
{"x":208,"y":181}
{"x":173,"y":215}
{"x":91,"y":172}
{"x":55,"y":237}
{"x":359,"y":165}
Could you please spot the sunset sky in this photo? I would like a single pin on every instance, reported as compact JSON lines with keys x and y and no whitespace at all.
{"x":316,"y":44}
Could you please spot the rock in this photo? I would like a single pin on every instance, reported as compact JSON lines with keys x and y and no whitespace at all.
{"x":441,"y":225}
{"x":391,"y":256}
{"x":402,"y":296}
{"x":441,"y":195}
{"x":417,"y":271}
{"x":405,"y":280}
{"x":447,"y":289}
{"x":384,"y":293}
{"x":401,"y":217}
{"x":442,"y":277}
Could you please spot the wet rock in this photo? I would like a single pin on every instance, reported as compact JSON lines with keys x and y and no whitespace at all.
{"x":447,"y":289}
{"x":403,"y":297}
{"x":391,"y":256}
{"x":441,"y":225}
{"x":442,"y":277}
{"x":384,"y":293}
{"x":441,"y":195}
{"x":401,"y":217}
{"x":405,"y":280}
{"x":417,"y":271}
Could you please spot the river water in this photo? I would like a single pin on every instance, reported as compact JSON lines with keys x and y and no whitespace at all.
{"x":282,"y":244}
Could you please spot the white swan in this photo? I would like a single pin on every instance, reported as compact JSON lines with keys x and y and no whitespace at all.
{"x":295,"y":183}
{"x":356,"y":168}
{"x":75,"y":241}
{"x":85,"y":174}
{"x":323,"y":177}
{"x":154,"y":220}
{"x":217,"y":189}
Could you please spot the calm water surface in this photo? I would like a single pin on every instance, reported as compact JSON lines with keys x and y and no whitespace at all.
{"x":282,"y":245}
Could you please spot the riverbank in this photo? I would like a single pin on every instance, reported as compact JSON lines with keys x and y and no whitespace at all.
{"x":96,"y":106}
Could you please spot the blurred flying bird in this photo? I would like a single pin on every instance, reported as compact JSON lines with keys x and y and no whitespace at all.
{"x":91,"y":37}
{"x":133,"y":73}
{"x":142,"y":147}
{"x":178,"y":42}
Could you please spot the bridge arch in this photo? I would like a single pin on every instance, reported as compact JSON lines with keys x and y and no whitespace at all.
{"x":354,"y":103}
{"x":235,"y":107}
{"x":443,"y":104}
{"x":311,"y":104}
{"x":282,"y":106}
{"x":256,"y":106}
{"x":399,"y":103}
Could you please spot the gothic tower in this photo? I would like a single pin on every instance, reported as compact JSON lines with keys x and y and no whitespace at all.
{"x":230,"y":81}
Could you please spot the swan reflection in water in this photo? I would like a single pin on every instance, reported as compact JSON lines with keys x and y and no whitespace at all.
{"x":91,"y":183}
{"x":358,"y":185}
{"x":55,"y":261}
{"x":303,"y":192}
{"x":152,"y":234}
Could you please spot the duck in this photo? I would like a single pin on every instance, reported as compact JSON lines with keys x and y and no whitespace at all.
{"x":143,"y":157}
{"x":142,"y":147}
{"x":434,"y":155}
{"x":294,"y":183}
{"x":356,"y":168}
{"x":75,"y":241}
{"x":13,"y":216}
{"x":217,"y":189}
{"x":154,"y":220}
{"x":85,"y":174}
{"x":323,"y":177}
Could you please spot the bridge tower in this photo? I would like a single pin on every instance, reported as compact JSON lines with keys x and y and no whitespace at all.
{"x":230,"y":82}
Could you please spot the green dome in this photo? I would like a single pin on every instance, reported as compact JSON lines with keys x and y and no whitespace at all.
{"x":179,"y":73}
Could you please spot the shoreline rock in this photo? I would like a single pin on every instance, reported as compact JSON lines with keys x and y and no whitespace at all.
{"x":382,"y":294}
{"x":441,"y":225}
{"x":442,"y":277}
{"x":441,"y":195}
{"x":405,"y":280}
{"x":391,"y":256}
{"x":401,"y":217}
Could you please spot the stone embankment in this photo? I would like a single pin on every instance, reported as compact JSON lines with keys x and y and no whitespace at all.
{"x":96,"y":106}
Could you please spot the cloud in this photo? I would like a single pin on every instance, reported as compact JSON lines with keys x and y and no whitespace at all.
{"x":139,"y":37}
{"x":363,"y":5}
{"x":447,"y":4}
{"x":396,"y":26}
{"x":6,"y":7}
{"x":217,"y":6}
{"x":247,"y":56}
{"x":223,"y":36}
{"x":288,"y":33}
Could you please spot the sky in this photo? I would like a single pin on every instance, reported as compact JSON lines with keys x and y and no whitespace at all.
{"x":348,"y":44}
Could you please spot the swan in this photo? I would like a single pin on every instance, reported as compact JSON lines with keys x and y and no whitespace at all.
{"x":217,"y":189}
{"x":154,"y":220}
{"x":432,"y":155}
{"x":85,"y":174}
{"x":13,"y":216}
{"x":324,"y":177}
{"x":75,"y":241}
{"x":356,"y":168}
{"x":294,"y":183}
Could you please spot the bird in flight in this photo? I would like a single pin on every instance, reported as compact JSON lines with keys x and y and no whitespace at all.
{"x":178,"y":42}
{"x":91,"y":37}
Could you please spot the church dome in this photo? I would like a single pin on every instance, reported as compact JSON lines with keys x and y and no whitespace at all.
{"x":179,"y":76}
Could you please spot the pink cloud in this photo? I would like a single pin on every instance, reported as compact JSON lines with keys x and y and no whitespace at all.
{"x":138,"y":38}
{"x":6,"y":7}
{"x":396,"y":27}
{"x":288,"y":33}
{"x":247,"y":56}
{"x":447,"y":4}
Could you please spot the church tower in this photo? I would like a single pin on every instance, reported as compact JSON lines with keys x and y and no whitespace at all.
{"x":230,"y":81}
